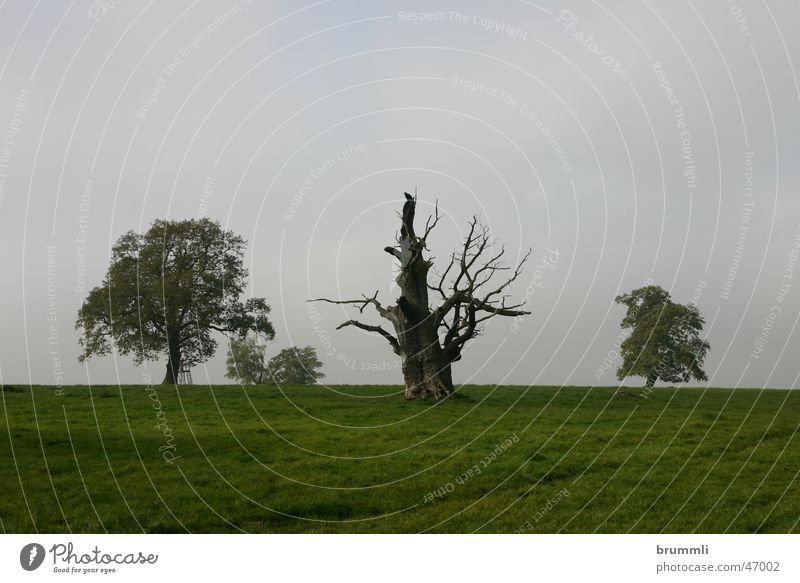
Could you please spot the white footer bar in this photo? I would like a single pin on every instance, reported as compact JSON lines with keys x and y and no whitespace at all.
{"x":401,"y":558}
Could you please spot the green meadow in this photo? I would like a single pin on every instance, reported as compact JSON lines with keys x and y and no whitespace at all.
{"x":363,"y":460}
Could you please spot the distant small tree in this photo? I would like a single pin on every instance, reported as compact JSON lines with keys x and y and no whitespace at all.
{"x":295,"y":366}
{"x":665,"y":338}
{"x":246,"y":360}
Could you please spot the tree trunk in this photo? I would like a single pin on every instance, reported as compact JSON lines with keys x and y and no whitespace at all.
{"x":173,"y":366}
{"x":426,"y":370}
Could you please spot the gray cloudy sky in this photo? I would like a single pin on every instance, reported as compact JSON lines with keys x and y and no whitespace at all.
{"x":622,"y":141}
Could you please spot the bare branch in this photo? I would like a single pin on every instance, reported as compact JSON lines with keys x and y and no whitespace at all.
{"x":473,"y":274}
{"x":459,"y":337}
{"x":465,"y":249}
{"x":432,"y":221}
{"x":393,"y":252}
{"x":365,"y":301}
{"x":392,"y":340}
{"x":510,"y":280}
{"x":502,"y":310}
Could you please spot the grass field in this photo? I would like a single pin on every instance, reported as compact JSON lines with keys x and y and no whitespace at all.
{"x":361,"y":459}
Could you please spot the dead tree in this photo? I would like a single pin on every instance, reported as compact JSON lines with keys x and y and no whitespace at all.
{"x":428,"y":340}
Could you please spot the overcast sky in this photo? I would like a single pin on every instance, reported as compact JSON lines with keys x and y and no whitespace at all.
{"x":625,"y":142}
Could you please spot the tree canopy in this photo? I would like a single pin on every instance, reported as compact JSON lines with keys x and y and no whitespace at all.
{"x":665,"y":342}
{"x":246,"y":360}
{"x":167,"y":291}
{"x":295,"y":366}
{"x":291,"y":366}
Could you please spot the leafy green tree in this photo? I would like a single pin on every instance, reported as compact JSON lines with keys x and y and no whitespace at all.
{"x":247,"y":360}
{"x":665,"y":338}
{"x":295,"y":366}
{"x":167,"y":291}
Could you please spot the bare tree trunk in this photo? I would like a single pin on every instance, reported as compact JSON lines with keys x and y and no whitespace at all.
{"x":173,"y":366}
{"x":426,"y":370}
